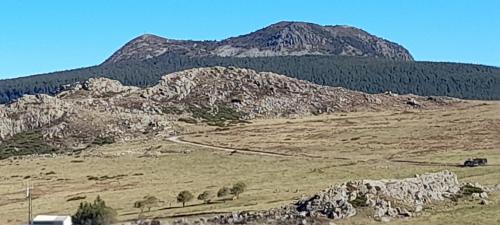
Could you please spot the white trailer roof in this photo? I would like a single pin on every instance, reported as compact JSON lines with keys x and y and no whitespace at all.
{"x":50,"y":218}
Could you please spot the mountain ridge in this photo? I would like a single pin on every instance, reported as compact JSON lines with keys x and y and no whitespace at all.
{"x":279,"y":39}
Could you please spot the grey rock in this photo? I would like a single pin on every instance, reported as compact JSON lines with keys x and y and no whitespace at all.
{"x":476,"y":196}
{"x":484,"y":202}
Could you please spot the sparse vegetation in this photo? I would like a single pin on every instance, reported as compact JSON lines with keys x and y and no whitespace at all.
{"x":25,"y":143}
{"x":171,"y":110}
{"x":223,"y":116}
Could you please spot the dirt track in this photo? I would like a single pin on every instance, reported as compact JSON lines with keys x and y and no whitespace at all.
{"x":177,"y":139}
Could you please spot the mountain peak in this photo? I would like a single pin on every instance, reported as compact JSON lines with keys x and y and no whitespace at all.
{"x":290,"y":23}
{"x":150,"y":37}
{"x":279,"y":39}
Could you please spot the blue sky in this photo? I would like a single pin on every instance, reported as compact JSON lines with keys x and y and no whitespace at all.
{"x":44,"y":36}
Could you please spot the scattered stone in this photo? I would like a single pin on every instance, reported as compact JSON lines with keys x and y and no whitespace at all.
{"x":413,"y":103}
{"x":475,"y":196}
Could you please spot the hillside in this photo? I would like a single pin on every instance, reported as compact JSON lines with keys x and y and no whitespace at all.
{"x":280,"y":39}
{"x":362,"y":74}
{"x":104,"y":111}
{"x":312,"y":153}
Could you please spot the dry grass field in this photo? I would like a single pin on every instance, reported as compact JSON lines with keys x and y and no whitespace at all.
{"x":310,"y":154}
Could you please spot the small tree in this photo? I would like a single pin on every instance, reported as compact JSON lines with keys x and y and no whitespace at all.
{"x":147,"y":202}
{"x":223,"y":192}
{"x":139,"y":205}
{"x":96,"y":213}
{"x":238,"y":188}
{"x":184,"y":196}
{"x":206,"y":197}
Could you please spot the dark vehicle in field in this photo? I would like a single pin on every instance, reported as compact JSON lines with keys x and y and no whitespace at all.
{"x":475,"y":162}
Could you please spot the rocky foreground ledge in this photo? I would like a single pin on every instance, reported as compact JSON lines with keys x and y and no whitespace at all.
{"x":387,"y":199}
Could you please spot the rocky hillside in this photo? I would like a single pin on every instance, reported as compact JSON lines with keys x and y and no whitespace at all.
{"x":101,"y":110}
{"x":283,"y":38}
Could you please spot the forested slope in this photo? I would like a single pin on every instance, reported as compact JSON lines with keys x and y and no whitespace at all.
{"x":364,"y":74}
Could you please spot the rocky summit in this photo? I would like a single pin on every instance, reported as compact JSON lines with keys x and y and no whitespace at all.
{"x":280,"y":39}
{"x":102,"y":110}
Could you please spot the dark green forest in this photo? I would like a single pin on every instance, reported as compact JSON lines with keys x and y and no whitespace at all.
{"x":363,"y":74}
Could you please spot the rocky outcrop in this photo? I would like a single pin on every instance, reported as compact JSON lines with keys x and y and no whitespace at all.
{"x":300,"y":38}
{"x":31,"y":112}
{"x":283,"y":38}
{"x":259,"y":94}
{"x":389,"y":198}
{"x":104,"y":108}
{"x":98,"y":86}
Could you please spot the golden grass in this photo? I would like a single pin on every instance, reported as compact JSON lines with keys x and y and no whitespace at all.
{"x":323,"y":150}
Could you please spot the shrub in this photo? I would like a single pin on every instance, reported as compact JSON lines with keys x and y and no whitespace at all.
{"x":96,"y":213}
{"x":206,"y":197}
{"x":359,"y":201}
{"x":468,"y":190}
{"x":103,"y":140}
{"x":223,"y":191}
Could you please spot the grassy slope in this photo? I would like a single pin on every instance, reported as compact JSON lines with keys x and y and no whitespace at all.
{"x":351,"y":146}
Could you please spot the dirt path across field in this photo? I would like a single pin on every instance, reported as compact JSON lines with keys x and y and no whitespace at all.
{"x":178,"y":140}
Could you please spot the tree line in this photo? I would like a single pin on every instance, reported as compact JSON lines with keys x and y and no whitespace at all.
{"x":370,"y":75}
{"x":98,"y":213}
